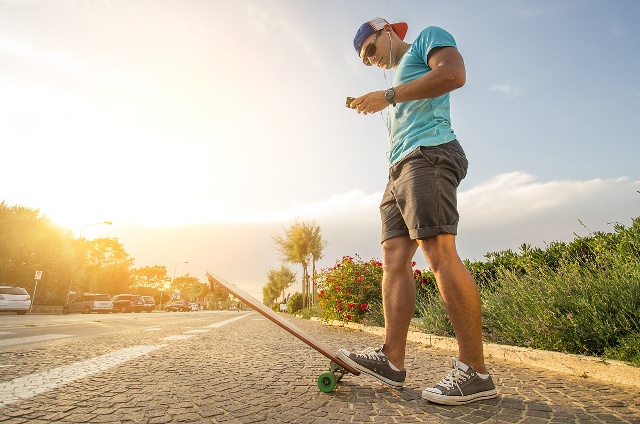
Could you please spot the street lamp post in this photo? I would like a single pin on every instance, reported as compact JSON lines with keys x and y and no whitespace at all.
{"x":80,"y":238}
{"x":95,"y":223}
{"x":175,"y":269}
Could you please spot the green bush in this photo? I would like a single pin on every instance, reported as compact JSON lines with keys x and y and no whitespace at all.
{"x":307,"y":313}
{"x":295,"y":303}
{"x":628,"y":349}
{"x":582,"y":297}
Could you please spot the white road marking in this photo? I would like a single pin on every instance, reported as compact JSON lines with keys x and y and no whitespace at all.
{"x":229,"y":321}
{"x":178,"y":337}
{"x":153,"y":329}
{"x":32,"y":339}
{"x":4,"y":333}
{"x":22,"y":388}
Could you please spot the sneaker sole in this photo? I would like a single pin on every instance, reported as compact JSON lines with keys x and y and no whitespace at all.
{"x":459,"y":400}
{"x":391,"y":383}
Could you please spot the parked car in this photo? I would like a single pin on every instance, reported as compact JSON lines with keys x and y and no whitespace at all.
{"x":89,"y":303}
{"x":179,"y":306}
{"x":149,"y":303}
{"x":128,"y":303}
{"x":14,"y":299}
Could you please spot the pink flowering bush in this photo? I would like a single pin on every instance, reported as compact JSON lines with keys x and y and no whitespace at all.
{"x":350,"y":291}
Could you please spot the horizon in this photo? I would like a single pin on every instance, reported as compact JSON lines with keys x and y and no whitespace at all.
{"x":156,"y":114}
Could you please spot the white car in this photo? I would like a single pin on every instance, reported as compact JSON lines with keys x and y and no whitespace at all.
{"x":14,"y":299}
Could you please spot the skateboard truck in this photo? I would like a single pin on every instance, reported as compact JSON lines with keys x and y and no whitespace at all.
{"x":327,"y":381}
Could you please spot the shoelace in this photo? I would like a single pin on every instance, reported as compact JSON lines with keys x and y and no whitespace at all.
{"x":454,"y":378}
{"x":370,"y":353}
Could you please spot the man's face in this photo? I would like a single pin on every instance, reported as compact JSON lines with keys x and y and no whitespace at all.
{"x":374,"y":52}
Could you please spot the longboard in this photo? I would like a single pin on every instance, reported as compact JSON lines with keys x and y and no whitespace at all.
{"x":337,"y":368}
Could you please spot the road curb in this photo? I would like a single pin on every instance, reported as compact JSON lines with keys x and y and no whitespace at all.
{"x":576,"y":365}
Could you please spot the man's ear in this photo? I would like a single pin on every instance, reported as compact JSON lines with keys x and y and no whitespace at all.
{"x":388,"y":29}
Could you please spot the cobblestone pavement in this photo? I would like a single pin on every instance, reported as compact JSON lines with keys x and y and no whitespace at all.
{"x":252,"y":371}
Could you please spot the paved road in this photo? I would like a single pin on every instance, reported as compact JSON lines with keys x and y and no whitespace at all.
{"x":248,"y":370}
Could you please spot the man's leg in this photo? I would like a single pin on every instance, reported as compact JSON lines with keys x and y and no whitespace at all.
{"x":398,"y":295}
{"x":460,"y":295}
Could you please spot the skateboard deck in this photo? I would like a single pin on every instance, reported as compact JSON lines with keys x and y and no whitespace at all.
{"x":337,"y":367}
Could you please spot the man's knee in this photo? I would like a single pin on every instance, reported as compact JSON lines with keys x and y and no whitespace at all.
{"x":439,"y":250}
{"x":397,"y":253}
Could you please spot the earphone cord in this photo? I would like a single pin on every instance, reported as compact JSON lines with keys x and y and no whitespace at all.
{"x":386,"y":121}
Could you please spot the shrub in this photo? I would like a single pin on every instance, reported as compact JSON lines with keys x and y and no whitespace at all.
{"x":581,"y":297}
{"x":295,"y":303}
{"x":346,"y":290}
{"x":350,"y":291}
{"x":307,"y":313}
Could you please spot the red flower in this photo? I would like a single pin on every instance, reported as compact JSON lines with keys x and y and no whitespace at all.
{"x":348,"y":317}
{"x":413,"y":263}
{"x":340,"y":308}
{"x":417,"y":273}
{"x":364,"y":306}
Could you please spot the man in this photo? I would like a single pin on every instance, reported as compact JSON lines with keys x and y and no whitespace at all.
{"x":419,"y":207}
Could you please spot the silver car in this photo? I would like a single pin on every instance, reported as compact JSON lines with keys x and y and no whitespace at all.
{"x":14,"y":299}
{"x":89,"y":303}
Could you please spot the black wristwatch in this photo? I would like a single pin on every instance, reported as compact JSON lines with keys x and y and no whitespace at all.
{"x":389,"y":95}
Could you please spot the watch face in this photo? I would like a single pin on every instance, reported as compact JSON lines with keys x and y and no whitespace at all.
{"x":389,"y":94}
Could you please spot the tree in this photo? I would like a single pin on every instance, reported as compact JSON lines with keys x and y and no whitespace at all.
{"x":108,"y":267}
{"x":154,"y":277}
{"x":30,"y":242}
{"x":316,"y":251}
{"x":301,"y":244}
{"x":183,"y":285}
{"x":277,"y":282}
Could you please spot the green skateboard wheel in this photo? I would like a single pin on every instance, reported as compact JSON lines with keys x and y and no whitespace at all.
{"x":327,"y":382}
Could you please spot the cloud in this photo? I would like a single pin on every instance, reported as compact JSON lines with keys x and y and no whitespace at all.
{"x":510,"y":90}
{"x":502,"y":213}
{"x":516,"y":208}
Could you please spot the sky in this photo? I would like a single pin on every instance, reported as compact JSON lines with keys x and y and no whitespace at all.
{"x":201,"y":129}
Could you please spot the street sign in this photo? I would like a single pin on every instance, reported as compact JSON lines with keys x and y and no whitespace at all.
{"x":38,"y":275}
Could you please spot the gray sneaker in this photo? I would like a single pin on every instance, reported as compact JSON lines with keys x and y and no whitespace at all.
{"x":460,"y":387}
{"x":374,"y":363}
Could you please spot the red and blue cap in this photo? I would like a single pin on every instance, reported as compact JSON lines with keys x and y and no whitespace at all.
{"x":374,"y":25}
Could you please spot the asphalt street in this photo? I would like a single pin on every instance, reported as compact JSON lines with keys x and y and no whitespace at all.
{"x":241,"y":368}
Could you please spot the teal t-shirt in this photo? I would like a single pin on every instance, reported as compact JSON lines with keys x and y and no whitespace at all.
{"x":420,"y":122}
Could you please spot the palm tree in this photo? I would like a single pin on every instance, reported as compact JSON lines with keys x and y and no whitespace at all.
{"x":301,"y":244}
{"x":277,"y":283}
{"x":317,"y":245}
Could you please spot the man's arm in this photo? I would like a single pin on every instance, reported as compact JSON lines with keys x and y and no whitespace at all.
{"x":447,"y":74}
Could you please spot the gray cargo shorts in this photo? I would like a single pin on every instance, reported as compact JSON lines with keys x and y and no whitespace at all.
{"x":420,"y":199}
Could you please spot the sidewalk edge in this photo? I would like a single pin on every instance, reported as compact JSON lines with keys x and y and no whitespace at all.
{"x":576,"y":365}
